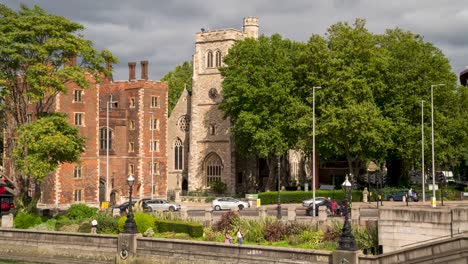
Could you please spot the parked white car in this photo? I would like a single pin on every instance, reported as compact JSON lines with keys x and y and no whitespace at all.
{"x":228,"y":203}
{"x":309,"y":202}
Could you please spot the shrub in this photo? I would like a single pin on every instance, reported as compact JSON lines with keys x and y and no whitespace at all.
{"x":81,"y":211}
{"x":209,"y":199}
{"x":26,"y":220}
{"x":227,"y":221}
{"x":367,"y":237}
{"x":218,"y":187}
{"x":333,"y":232}
{"x":192,"y":229}
{"x":253,"y":229}
{"x":85,"y":227}
{"x":143,"y":222}
{"x":149,"y":232}
{"x":294,"y":240}
{"x":107,"y":224}
{"x":49,"y":225}
{"x":311,"y":237}
{"x":299,"y":196}
{"x":275,"y":231}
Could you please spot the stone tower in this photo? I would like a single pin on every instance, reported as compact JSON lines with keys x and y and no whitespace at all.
{"x":211,"y":150}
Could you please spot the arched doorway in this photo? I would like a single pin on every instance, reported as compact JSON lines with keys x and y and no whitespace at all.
{"x":184,"y":187}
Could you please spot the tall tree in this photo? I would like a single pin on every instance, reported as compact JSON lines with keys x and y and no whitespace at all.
{"x":178,"y":80}
{"x":258,"y":90}
{"x":44,"y":144}
{"x":37,"y":54}
{"x":348,"y":65}
{"x":413,"y":66}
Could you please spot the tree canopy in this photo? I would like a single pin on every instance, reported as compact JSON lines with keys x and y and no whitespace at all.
{"x":40,"y":54}
{"x":178,"y":80}
{"x":369,"y":107}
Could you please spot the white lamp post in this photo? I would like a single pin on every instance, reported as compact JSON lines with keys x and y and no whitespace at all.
{"x":433,"y":202}
{"x":422,"y":152}
{"x":313,"y":147}
{"x":152,"y":126}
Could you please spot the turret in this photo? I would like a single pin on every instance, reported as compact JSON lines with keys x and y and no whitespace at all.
{"x":251,"y":27}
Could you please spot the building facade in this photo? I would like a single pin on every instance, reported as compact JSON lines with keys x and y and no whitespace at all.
{"x":125,"y":126}
{"x":200,"y":143}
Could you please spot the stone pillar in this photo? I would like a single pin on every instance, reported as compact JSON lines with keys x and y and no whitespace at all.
{"x":184,"y":213}
{"x":208,"y":217}
{"x":7,"y":221}
{"x":177,"y":196}
{"x":126,"y":248}
{"x":322,"y":213}
{"x":344,"y":256}
{"x":262,"y":212}
{"x":365,"y":193}
{"x":291,"y":213}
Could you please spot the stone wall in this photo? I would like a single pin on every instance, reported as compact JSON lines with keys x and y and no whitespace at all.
{"x":449,"y":250}
{"x":57,"y":247}
{"x":403,"y":226}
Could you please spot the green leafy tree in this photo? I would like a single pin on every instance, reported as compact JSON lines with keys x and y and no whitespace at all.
{"x":258,"y":89}
{"x":413,"y":66}
{"x":348,"y":65}
{"x":44,"y":144}
{"x":178,"y":80}
{"x":36,"y":63}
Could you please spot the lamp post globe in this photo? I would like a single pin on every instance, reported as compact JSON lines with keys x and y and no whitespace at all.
{"x":130,"y":225}
{"x":347,"y":241}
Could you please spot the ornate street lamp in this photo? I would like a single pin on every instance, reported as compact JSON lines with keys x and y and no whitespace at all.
{"x":347,"y":241}
{"x":130,"y":225}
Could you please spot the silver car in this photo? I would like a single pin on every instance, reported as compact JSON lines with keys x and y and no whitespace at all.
{"x":160,"y":205}
{"x":309,"y":202}
{"x":228,"y":203}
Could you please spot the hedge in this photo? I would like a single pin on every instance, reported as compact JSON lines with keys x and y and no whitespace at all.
{"x":299,"y":196}
{"x":193,"y":229}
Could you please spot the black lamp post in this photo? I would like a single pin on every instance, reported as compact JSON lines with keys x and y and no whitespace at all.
{"x":278,"y":212}
{"x":130,"y":225}
{"x":347,"y":241}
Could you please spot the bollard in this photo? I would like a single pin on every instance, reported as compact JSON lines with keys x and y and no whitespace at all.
{"x":183,"y":213}
{"x":262,"y":212}
{"x":291,"y":213}
{"x":208,"y":217}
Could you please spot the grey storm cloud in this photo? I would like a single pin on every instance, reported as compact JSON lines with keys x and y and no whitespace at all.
{"x":163,"y":32}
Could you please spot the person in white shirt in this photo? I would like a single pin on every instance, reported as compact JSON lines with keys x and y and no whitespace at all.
{"x":240,"y":237}
{"x":94,"y":226}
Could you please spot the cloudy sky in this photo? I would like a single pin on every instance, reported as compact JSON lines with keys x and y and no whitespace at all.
{"x":163,"y":32}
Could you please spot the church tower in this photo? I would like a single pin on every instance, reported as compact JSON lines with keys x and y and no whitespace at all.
{"x":211,"y":149}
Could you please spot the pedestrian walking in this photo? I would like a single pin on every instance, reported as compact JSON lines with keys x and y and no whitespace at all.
{"x":227,"y":237}
{"x":240,"y":236}
{"x":333,"y":207}
{"x":94,"y":224}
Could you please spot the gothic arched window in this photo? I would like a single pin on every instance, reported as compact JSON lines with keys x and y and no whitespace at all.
{"x":178,"y":154}
{"x":218,"y":58}
{"x":103,"y":138}
{"x":213,"y":168}
{"x":209,"y":60}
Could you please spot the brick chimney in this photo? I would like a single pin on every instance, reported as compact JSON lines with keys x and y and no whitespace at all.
{"x":144,"y":70}
{"x":109,"y":68}
{"x":131,"y":71}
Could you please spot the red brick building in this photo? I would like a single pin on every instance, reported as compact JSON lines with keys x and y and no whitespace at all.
{"x":128,"y":116}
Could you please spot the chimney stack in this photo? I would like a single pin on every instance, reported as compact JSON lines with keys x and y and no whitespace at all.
{"x":109,"y":68}
{"x":144,"y":70}
{"x":131,"y":71}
